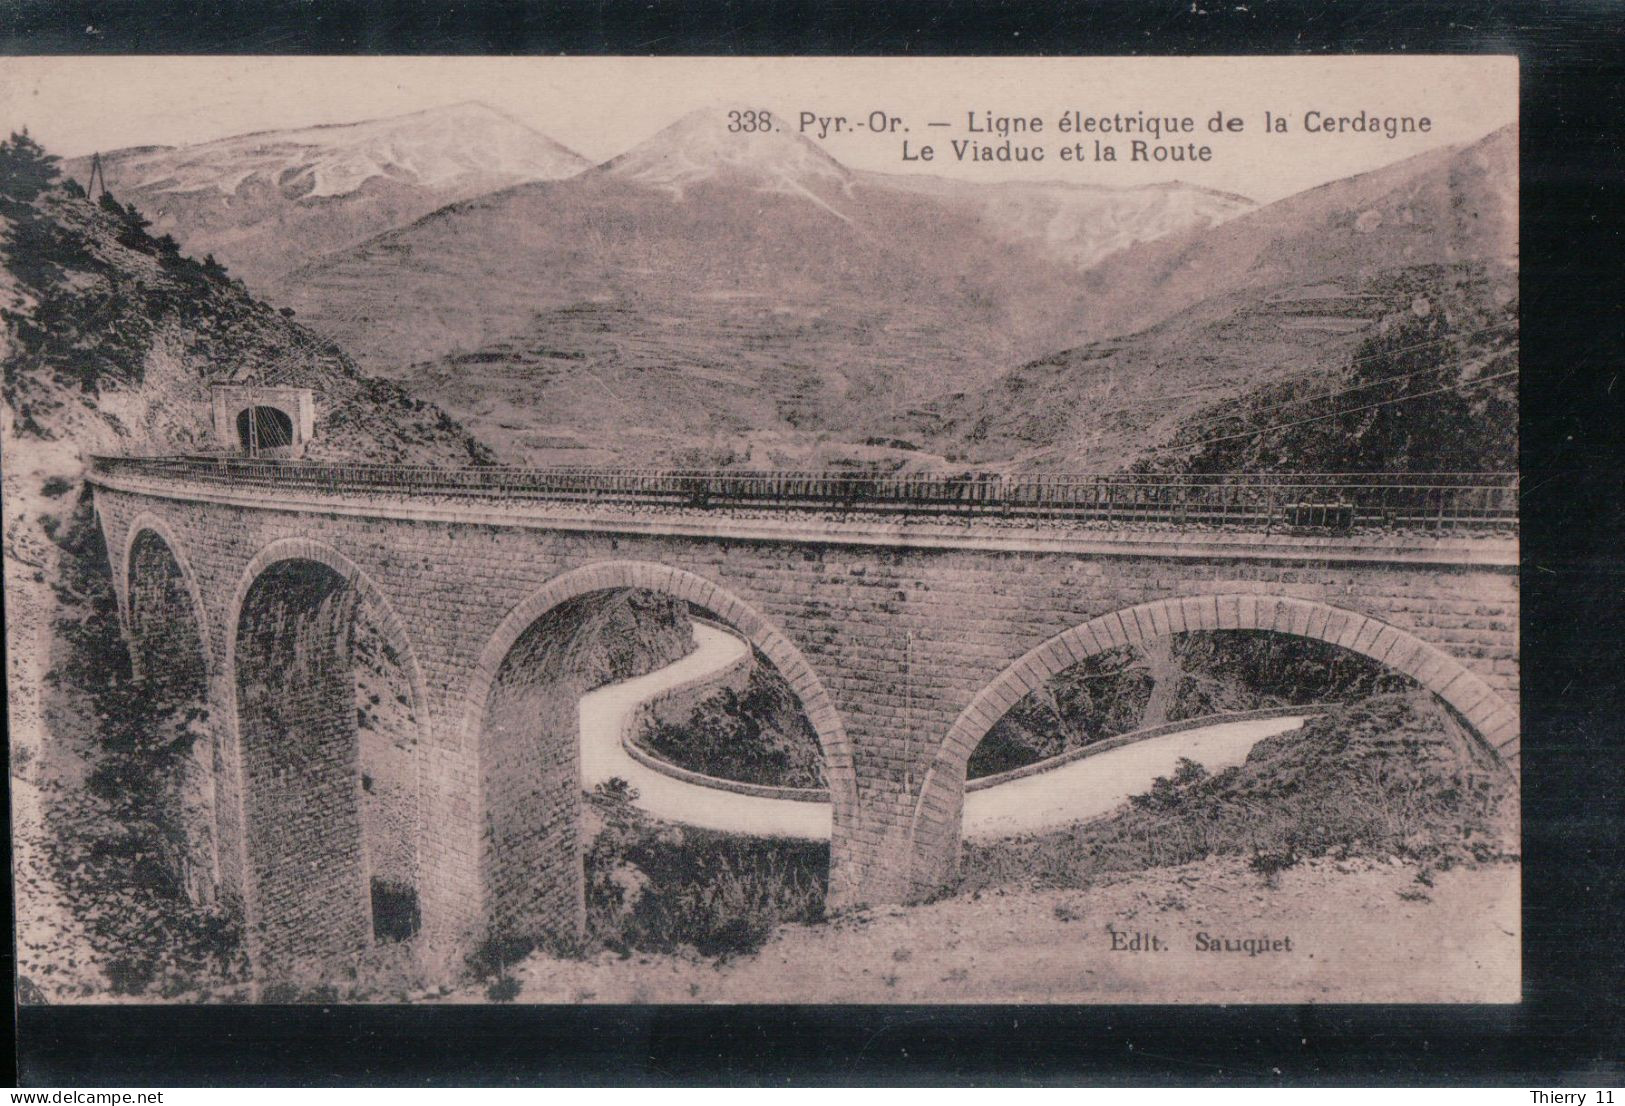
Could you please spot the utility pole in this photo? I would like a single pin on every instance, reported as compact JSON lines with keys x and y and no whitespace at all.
{"x":96,"y":174}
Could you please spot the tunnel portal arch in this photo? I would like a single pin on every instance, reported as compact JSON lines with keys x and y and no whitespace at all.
{"x":263,"y":428}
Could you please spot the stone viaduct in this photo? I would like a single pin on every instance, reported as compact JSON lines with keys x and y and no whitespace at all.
{"x":905,"y":641}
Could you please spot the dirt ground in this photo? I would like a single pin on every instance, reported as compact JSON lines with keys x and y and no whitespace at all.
{"x":1360,"y":931}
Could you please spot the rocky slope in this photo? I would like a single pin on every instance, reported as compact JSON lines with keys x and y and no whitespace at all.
{"x":264,"y":203}
{"x":113,"y":338}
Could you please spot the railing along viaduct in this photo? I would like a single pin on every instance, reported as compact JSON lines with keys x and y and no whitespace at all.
{"x":908,"y":614}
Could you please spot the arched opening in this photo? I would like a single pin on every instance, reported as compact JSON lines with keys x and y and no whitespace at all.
{"x":169,"y":655}
{"x":1119,"y":706}
{"x":328,"y":726}
{"x":1173,"y":681}
{"x":586,"y":840}
{"x":262,"y":428}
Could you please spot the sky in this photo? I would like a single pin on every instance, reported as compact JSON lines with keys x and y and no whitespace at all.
{"x":601,"y":107}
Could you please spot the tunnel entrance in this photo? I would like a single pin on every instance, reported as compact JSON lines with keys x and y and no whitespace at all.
{"x":261,"y":429}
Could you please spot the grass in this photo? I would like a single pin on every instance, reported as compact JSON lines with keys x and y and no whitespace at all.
{"x":1381,"y":778}
{"x":658,"y":888}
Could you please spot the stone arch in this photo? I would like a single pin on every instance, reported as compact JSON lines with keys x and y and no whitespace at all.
{"x":146,"y":523}
{"x":389,"y":624}
{"x":936,"y":819}
{"x":741,"y":616}
{"x":165,"y":623}
{"x":313,"y":920}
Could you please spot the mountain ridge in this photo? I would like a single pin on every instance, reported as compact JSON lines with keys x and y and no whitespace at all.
{"x":1443,"y":206}
{"x":266,"y":202}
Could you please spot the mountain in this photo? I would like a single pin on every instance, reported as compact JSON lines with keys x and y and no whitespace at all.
{"x":699,"y":149}
{"x":708,"y":284}
{"x":1182,"y":395}
{"x":1442,"y":207}
{"x":1080,"y":224}
{"x":1267,"y":305}
{"x":263,"y":203}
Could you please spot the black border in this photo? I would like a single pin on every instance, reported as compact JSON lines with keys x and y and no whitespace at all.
{"x":1567,"y":1031}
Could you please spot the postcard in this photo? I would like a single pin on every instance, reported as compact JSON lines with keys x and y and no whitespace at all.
{"x":762,"y":530}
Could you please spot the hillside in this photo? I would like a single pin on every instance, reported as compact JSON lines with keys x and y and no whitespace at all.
{"x":1433,"y":387}
{"x":264,"y":203}
{"x":707,"y":284}
{"x":112,"y":338}
{"x":1457,"y":204}
{"x":1281,"y":303}
{"x":1386,"y":775}
{"x":1250,"y":360}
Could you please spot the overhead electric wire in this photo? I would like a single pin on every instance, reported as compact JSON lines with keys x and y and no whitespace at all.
{"x":1336,"y":414}
{"x":1368,"y":384}
{"x":269,"y":423}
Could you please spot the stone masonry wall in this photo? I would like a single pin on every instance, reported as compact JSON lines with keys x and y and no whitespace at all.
{"x":887,"y":646}
{"x":531,"y":781}
{"x":296,"y":695}
{"x":167,"y":652}
{"x":388,"y":734}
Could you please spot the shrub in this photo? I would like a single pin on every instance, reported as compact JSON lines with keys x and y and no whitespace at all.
{"x":758,"y":736}
{"x":503,"y":989}
{"x":1384,"y":777}
{"x":717,"y":894}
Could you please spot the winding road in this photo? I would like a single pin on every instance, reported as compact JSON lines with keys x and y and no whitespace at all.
{"x":603,"y":720}
{"x":1084,"y":788}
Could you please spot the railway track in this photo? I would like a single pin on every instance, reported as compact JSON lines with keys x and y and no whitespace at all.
{"x":1324,"y":501}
